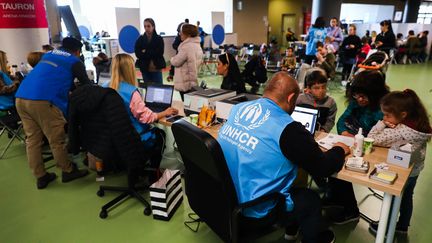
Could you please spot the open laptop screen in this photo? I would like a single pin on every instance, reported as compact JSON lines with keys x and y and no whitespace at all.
{"x":159,"y":94}
{"x":306,"y":116}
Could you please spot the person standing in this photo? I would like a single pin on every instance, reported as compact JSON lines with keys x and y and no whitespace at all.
{"x":334,"y":32}
{"x":42,"y":103}
{"x":149,"y":49}
{"x":187,"y":60}
{"x":317,"y":33}
{"x":351,"y":46}
{"x":202,"y":34}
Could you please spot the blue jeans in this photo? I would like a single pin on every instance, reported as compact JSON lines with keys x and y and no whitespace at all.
{"x":406,"y":206}
{"x":151,"y":77}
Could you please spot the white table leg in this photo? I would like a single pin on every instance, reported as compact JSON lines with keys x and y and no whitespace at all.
{"x":384,"y":215}
{"x":393,"y":219}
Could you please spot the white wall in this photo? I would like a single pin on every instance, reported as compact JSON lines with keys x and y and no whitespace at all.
{"x":17,"y":43}
{"x":367,"y":13}
{"x":168,"y":14}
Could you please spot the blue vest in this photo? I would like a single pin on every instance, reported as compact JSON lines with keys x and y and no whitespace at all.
{"x":6,"y":100}
{"x":144,"y":130}
{"x":315,"y":36}
{"x":250,"y":143}
{"x":50,"y":80}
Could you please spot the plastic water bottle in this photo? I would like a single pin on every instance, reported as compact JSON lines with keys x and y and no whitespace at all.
{"x":358,"y":143}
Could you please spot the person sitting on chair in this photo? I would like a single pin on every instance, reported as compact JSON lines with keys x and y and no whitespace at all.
{"x":124,"y":82}
{"x":263,"y":147}
{"x":227,"y":67}
{"x":8,"y":84}
{"x":255,"y":73}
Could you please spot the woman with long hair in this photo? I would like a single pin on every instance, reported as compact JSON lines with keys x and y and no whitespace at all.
{"x":149,"y":49}
{"x":228,"y":68}
{"x":386,"y":40}
{"x":317,"y":33}
{"x":123,"y":80}
{"x":187,"y":60}
{"x":8,"y":84}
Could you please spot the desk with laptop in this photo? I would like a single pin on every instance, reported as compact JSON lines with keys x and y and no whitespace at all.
{"x":159,"y":97}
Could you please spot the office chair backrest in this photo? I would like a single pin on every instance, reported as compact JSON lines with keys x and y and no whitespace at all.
{"x":100,"y":123}
{"x":208,"y":184}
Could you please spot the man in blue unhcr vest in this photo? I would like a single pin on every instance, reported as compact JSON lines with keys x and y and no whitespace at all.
{"x":263,"y":147}
{"x":42,"y":103}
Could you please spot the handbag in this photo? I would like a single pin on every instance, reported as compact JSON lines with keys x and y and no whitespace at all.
{"x":166,"y":195}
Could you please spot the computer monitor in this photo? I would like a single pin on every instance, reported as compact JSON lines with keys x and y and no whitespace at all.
{"x":306,"y":116}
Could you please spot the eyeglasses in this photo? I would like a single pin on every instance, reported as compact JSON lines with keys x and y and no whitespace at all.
{"x":358,"y":96}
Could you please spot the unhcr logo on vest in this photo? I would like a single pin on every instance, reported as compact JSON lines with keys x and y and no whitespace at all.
{"x":247,"y":117}
{"x":250,"y":117}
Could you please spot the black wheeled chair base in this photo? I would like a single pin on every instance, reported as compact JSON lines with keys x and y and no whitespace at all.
{"x":126,"y":193}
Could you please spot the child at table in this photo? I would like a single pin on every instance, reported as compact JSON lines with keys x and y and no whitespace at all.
{"x":364,"y":96}
{"x":405,"y":119}
{"x":315,"y":96}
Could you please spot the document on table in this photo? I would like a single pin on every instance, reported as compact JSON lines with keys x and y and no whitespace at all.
{"x":328,"y":141}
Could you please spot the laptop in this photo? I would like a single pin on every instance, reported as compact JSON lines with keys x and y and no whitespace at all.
{"x":306,"y":116}
{"x":158,"y":97}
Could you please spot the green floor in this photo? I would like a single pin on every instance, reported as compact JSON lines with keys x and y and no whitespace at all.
{"x":69,"y":212}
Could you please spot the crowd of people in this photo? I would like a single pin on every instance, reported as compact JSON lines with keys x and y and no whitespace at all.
{"x":41,"y":100}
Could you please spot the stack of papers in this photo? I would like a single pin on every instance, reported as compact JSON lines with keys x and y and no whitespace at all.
{"x":328,"y":141}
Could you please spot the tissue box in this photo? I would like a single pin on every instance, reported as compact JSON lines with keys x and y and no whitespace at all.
{"x":398,"y":157}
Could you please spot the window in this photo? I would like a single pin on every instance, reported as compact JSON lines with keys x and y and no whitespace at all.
{"x":425,"y":13}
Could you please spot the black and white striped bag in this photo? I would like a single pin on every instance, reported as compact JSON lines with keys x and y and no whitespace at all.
{"x":166,"y":195}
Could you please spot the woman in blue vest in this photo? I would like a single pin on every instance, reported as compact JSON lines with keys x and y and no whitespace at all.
{"x":317,"y":33}
{"x":7,"y":86}
{"x":124,"y":82}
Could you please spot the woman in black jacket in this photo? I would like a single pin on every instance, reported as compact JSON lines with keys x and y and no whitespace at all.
{"x":149,"y":49}
{"x":386,"y":40}
{"x":351,"y":46}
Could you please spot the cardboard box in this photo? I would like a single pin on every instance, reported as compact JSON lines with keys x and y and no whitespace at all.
{"x":398,"y":157}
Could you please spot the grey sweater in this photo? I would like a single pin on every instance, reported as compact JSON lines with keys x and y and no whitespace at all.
{"x":386,"y":137}
{"x":326,"y":106}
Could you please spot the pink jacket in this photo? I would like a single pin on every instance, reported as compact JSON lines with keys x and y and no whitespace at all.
{"x":187,"y":62}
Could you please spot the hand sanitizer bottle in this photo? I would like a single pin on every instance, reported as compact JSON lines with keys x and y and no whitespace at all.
{"x":358,"y":143}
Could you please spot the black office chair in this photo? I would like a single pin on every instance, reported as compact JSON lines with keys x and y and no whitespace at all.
{"x":100,"y":124}
{"x":210,"y":190}
{"x":12,"y":126}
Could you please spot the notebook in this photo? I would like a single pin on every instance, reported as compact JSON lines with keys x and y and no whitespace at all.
{"x":306,"y":116}
{"x":159,"y":97}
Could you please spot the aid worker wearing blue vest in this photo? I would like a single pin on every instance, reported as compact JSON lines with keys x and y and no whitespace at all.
{"x":263,"y":148}
{"x":42,"y":103}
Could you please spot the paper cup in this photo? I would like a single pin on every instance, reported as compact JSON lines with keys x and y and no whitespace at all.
{"x":367,"y":145}
{"x":194,"y":118}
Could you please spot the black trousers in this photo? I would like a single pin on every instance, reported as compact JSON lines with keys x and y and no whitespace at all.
{"x":342,"y":193}
{"x":306,"y":215}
